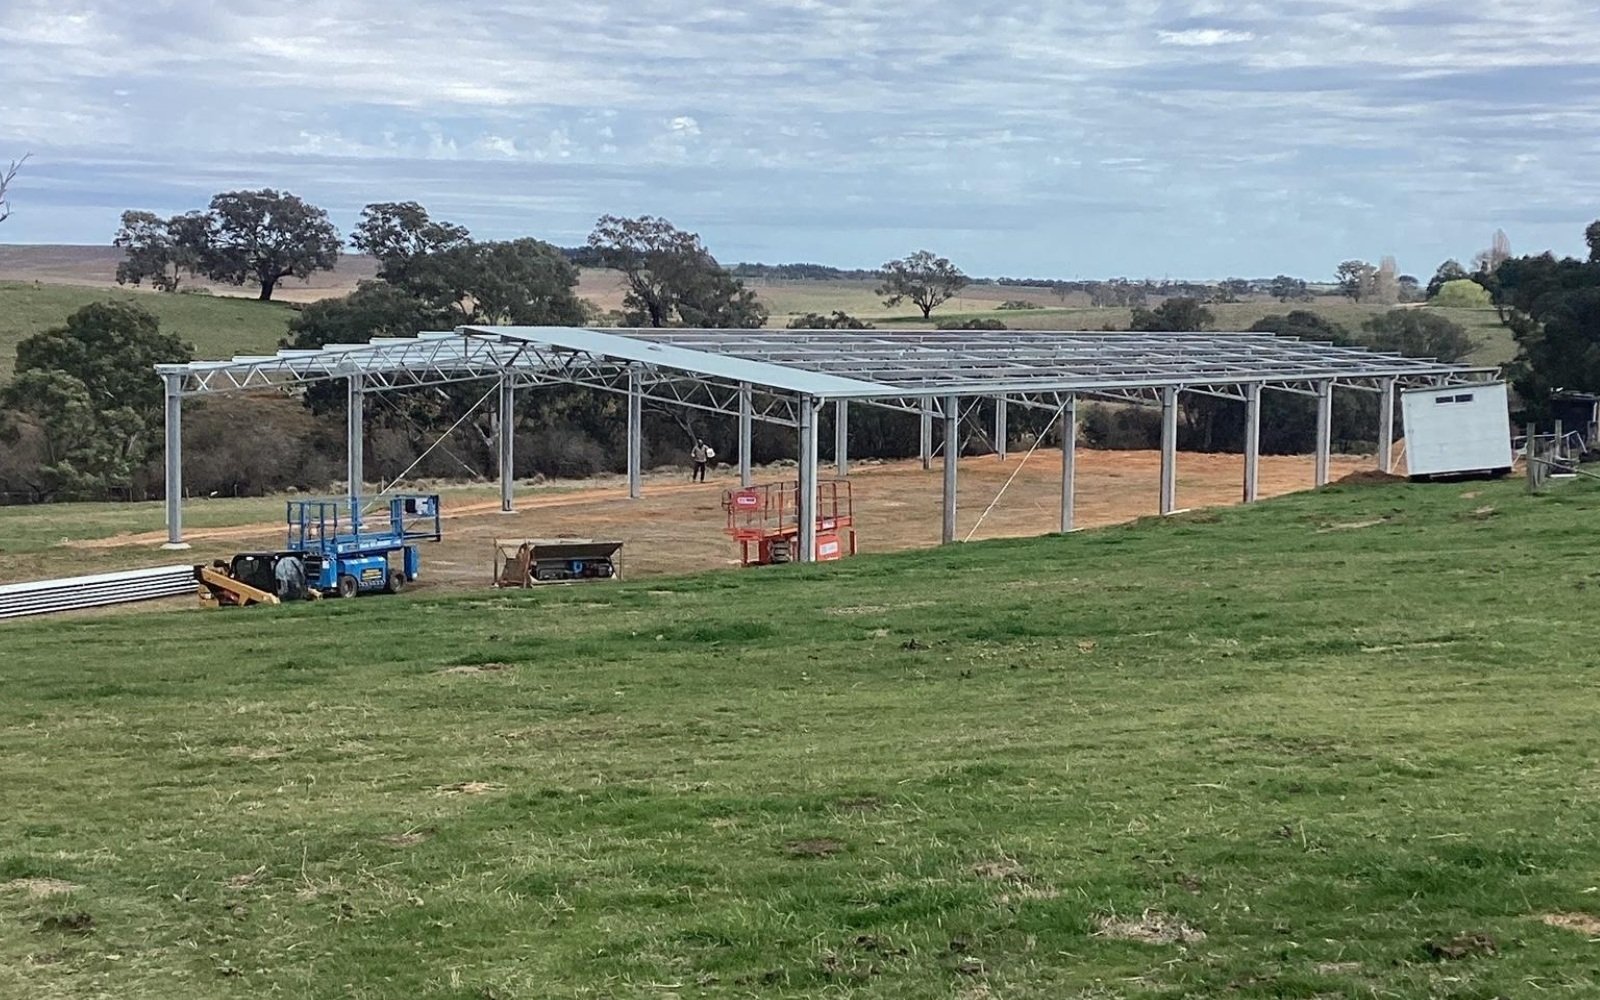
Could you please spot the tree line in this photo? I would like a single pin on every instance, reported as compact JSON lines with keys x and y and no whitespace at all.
{"x":1552,"y":307}
{"x":1550,"y":304}
{"x":81,"y":419}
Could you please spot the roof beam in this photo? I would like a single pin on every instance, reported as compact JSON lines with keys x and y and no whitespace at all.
{"x":886,"y":367}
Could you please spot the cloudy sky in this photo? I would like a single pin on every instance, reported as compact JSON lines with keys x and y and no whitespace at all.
{"x":1065,"y":138}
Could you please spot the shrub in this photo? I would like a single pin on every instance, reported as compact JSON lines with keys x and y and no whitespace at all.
{"x":839,"y":320}
{"x":1120,"y":428}
{"x":1417,"y":333}
{"x":1463,"y":293}
{"x":561,"y":452}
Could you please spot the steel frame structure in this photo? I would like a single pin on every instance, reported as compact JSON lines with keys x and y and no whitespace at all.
{"x":785,"y":377}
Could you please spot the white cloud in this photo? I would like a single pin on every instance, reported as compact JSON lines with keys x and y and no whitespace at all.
{"x":1031,"y":119}
{"x":1204,"y":37}
{"x":497,"y":145}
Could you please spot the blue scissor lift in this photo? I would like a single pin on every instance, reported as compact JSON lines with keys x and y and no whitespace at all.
{"x":349,"y":552}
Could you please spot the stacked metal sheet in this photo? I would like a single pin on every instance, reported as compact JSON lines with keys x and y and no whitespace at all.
{"x":42,"y":597}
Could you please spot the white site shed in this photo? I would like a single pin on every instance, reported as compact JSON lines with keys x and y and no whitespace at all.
{"x":1457,"y":430}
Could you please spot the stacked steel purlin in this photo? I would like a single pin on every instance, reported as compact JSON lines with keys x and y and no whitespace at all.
{"x":42,"y":597}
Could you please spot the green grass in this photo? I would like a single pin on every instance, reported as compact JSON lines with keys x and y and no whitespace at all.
{"x":218,"y":326}
{"x":1325,"y":731}
{"x":36,"y":539}
{"x":1495,"y":344}
{"x":35,"y":527}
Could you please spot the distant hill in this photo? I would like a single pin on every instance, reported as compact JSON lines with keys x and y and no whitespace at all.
{"x":96,"y":266}
{"x":41,"y":285}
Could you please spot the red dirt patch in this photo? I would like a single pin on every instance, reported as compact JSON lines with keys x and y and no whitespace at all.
{"x":677,"y":527}
{"x":1368,"y":477}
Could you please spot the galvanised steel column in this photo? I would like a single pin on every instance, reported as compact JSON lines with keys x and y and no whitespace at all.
{"x":174,"y":397}
{"x":952,"y":449}
{"x":807,"y":501}
{"x":508,"y":427}
{"x":1252,"y":441}
{"x":926,"y":440}
{"x":1386,"y":427}
{"x":635,"y":431}
{"x":746,"y":410}
{"x":841,"y":437}
{"x":1000,"y":430}
{"x":1169,"y":449}
{"x":355,"y":460}
{"x":1069,"y":458}
{"x":1324,"y":429}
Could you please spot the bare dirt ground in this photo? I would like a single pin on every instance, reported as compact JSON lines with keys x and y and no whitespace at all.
{"x":678,"y":526}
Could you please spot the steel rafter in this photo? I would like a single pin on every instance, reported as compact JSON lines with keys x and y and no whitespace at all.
{"x":667,"y":387}
{"x":892,"y":369}
{"x":989,"y":363}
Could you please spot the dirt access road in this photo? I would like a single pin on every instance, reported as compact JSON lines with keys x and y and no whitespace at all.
{"x":678,"y":526}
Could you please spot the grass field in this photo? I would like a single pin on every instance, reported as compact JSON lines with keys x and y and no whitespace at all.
{"x":1334,"y":745}
{"x":217,"y":326}
{"x":34,"y":527}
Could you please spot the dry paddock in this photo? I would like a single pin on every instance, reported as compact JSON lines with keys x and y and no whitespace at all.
{"x":678,"y":526}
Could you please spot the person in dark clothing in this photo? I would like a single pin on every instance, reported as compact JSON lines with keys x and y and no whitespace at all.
{"x":700,"y":454}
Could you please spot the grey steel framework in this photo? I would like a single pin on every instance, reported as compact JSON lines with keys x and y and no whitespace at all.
{"x":786,"y":377}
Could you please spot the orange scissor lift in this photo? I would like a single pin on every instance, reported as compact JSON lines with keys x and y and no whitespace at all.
{"x":765,"y":521}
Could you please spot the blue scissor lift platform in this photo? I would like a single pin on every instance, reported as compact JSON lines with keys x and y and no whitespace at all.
{"x":349,"y":551}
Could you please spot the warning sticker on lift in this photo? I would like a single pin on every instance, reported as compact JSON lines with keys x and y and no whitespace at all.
{"x":746,"y":500}
{"x":373,"y":575}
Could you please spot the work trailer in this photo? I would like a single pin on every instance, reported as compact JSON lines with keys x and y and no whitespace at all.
{"x":1457,"y":431}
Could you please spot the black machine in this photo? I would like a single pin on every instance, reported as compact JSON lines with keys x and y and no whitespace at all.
{"x":261,"y":571}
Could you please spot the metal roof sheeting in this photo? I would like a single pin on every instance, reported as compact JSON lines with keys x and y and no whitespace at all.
{"x":42,"y":597}
{"x":935,"y":362}
{"x":839,"y":364}
{"x":662,"y":352}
